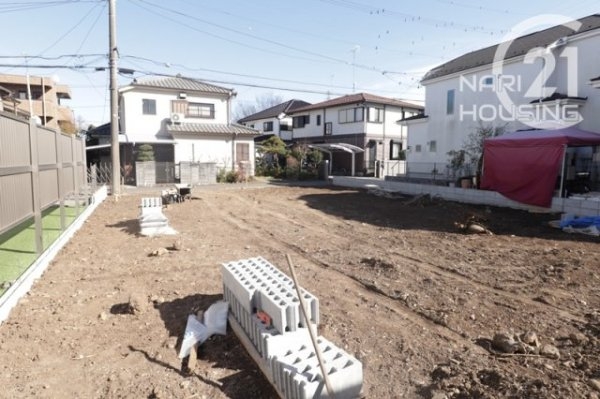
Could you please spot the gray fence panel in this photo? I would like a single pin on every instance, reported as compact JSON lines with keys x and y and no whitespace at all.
{"x":29,"y":184}
{"x":67,"y":150}
{"x":14,"y":143}
{"x":16,"y":199}
{"x":49,"y":188}
{"x":68,"y":180}
{"x":47,"y":147}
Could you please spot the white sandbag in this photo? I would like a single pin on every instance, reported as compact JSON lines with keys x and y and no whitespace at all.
{"x":215,"y":318}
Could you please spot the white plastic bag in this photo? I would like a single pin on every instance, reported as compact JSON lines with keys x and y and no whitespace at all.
{"x":215,"y":322}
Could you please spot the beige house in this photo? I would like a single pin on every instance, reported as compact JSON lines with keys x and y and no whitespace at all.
{"x":45,"y":101}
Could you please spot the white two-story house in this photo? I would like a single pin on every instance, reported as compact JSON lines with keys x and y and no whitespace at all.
{"x":185,"y":120}
{"x":363,"y":120}
{"x":274,"y":121}
{"x":540,"y":80}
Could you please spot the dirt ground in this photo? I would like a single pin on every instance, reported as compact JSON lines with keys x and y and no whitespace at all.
{"x":400,"y":287}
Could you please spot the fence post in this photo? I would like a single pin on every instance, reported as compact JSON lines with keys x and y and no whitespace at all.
{"x":75,"y":174}
{"x":35,"y":185}
{"x":60,"y":178}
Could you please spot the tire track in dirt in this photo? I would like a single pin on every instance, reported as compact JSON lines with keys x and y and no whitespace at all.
{"x":418,"y":264}
{"x":391,"y":303}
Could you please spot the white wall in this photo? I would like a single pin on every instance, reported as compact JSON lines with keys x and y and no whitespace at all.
{"x":450,"y":131}
{"x":259,"y":124}
{"x":390,"y":128}
{"x":150,"y":128}
{"x":211,"y":149}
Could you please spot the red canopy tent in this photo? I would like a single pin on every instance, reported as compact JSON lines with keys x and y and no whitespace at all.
{"x":524,"y":165}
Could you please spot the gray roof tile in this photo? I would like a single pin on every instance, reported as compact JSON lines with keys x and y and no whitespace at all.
{"x":518,"y":47}
{"x":180,"y":83}
{"x":211,"y":129}
{"x":274,"y":111}
{"x":357,"y":98}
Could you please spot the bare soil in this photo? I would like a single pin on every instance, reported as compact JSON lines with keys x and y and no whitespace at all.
{"x":400,"y":287}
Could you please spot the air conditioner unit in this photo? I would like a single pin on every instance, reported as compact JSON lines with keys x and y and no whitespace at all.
{"x":176,"y":118}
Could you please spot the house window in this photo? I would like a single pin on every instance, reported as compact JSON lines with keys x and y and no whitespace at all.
{"x":375,"y":115}
{"x":268,"y":126}
{"x":351,"y":115}
{"x":242,"y":152}
{"x":396,"y":152}
{"x":148,"y":106}
{"x":318,"y":120}
{"x":201,"y":110}
{"x":450,"y":102}
{"x":418,"y":148}
{"x":284,"y":127}
{"x":432,"y":146}
{"x":328,"y":128}
{"x":301,"y":121}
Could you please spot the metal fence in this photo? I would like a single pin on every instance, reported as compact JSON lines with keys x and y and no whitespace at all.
{"x":39,"y":168}
{"x":429,"y":171}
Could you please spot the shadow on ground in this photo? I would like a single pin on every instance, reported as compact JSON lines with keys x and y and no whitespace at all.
{"x":434,"y":214}
{"x":131,"y":226}
{"x":224,"y":352}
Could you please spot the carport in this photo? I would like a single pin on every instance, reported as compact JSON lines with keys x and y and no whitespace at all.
{"x":330,"y":148}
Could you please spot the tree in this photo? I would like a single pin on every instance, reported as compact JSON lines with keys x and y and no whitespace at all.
{"x":262,"y":102}
{"x":145,"y":153}
{"x":271,"y":151}
{"x":471,"y":152}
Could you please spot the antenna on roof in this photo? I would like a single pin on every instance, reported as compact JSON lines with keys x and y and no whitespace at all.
{"x":354,"y":50}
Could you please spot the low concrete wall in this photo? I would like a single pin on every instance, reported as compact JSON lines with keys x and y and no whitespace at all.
{"x":572,"y":206}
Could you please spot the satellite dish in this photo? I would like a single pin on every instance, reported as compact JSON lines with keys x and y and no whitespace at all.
{"x":281,"y":116}
{"x":55,"y":79}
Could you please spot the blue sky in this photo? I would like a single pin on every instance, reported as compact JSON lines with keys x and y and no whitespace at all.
{"x":292,"y":49}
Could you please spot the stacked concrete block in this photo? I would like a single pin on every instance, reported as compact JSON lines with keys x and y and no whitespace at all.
{"x":298,"y":375}
{"x":152,"y":221}
{"x":264,"y":302}
{"x":269,"y":288}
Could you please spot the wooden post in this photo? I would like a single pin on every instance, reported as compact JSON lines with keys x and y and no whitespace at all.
{"x":313,"y":335}
{"x":75,"y":174}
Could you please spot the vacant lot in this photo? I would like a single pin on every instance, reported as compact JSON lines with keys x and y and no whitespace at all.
{"x":401,"y":288}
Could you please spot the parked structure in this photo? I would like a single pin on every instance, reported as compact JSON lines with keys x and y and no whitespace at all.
{"x":274,"y":121}
{"x":46,"y":97}
{"x":362,"y":120}
{"x":545,"y":80}
{"x":184,"y":120}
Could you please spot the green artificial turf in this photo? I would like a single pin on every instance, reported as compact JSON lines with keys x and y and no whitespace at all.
{"x":17,"y":246}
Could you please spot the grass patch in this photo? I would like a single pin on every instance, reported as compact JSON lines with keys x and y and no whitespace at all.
{"x":17,"y":246}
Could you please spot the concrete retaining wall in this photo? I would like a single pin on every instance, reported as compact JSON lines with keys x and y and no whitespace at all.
{"x":573,"y":206}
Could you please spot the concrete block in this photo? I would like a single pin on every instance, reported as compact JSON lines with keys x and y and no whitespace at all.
{"x":297,"y":371}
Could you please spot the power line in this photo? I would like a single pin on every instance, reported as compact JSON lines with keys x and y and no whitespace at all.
{"x":69,"y":30}
{"x":159,"y":63}
{"x":91,"y":28}
{"x":245,"y":45}
{"x":438,"y":23}
{"x":9,"y":7}
{"x":480,"y":7}
{"x":270,"y":41}
{"x":88,"y":68}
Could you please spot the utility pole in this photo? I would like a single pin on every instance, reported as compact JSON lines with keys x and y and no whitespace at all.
{"x":114,"y":100}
